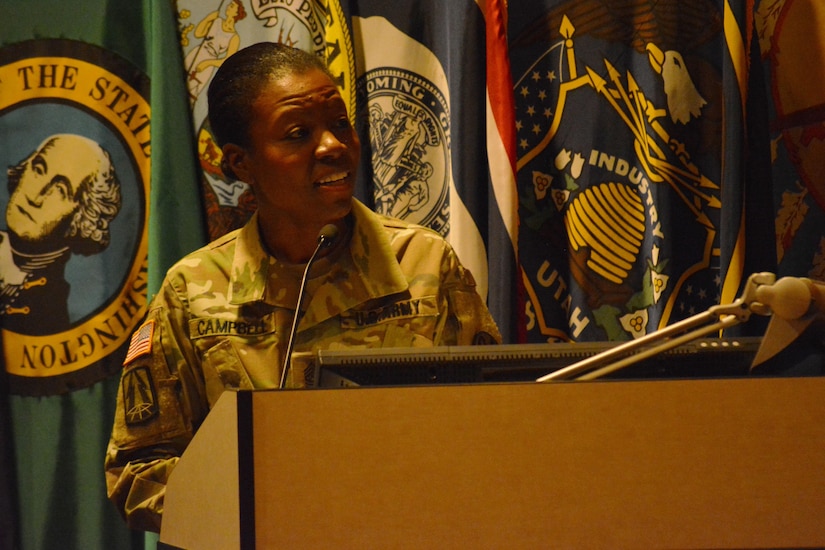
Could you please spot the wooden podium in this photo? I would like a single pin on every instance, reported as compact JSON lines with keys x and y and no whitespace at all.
{"x":722,"y":463}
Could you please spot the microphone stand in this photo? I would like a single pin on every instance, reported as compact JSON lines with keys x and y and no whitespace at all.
{"x":725,"y":316}
{"x":325,"y":238}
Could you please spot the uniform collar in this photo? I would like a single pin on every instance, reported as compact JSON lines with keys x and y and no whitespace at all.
{"x":373,"y":254}
{"x":379,"y":276}
{"x":250,"y":265}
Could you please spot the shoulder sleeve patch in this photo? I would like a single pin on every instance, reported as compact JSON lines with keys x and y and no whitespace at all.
{"x":139,"y":398}
{"x":141,"y":343}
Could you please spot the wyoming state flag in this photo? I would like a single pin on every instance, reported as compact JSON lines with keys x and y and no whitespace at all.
{"x":642,"y":164}
{"x":424,"y":109}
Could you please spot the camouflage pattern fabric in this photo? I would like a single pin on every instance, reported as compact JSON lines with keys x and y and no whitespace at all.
{"x":222,"y":319}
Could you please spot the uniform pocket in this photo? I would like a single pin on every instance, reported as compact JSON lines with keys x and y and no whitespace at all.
{"x":223,"y":370}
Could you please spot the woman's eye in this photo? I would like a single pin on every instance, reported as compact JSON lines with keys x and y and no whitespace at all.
{"x":296,"y":133}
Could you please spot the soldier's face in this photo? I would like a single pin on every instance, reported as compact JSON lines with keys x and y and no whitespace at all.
{"x":45,"y":195}
{"x":303,"y":154}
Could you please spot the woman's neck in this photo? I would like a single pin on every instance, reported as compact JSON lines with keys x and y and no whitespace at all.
{"x":297,"y":247}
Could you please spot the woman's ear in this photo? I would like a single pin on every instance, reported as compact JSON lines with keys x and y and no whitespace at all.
{"x":234,"y":162}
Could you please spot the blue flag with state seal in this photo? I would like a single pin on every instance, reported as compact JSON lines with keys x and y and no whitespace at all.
{"x":642,"y":162}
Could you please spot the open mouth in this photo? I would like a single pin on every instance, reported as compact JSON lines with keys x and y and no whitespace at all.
{"x":338,"y":178}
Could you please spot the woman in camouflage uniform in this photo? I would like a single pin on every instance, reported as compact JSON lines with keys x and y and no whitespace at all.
{"x":223,"y":314}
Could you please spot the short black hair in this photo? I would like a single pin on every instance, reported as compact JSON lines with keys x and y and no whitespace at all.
{"x":240,"y":79}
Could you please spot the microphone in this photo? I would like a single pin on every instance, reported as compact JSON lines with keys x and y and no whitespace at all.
{"x":789,"y":298}
{"x":326,"y":237}
{"x":795,"y":303}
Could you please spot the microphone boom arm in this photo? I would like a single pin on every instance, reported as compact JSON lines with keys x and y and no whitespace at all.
{"x":712,"y":320}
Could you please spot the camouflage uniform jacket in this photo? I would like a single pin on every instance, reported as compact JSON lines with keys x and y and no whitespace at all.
{"x":222,"y":318}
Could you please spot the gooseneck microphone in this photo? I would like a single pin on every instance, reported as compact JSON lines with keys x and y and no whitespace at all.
{"x":789,"y":298}
{"x":326,"y":237}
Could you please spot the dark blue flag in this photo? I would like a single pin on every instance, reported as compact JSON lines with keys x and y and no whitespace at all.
{"x":634,"y":163}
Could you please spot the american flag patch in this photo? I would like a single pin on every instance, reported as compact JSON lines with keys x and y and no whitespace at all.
{"x":141,"y":343}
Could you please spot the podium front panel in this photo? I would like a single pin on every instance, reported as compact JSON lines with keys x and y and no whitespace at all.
{"x":724,"y":463}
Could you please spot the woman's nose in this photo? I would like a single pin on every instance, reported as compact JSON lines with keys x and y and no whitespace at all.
{"x":330,"y":144}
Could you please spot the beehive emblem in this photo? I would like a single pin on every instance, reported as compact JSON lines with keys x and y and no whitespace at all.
{"x":609,"y":220}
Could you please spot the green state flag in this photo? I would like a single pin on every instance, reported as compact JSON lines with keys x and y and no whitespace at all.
{"x":101,"y":197}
